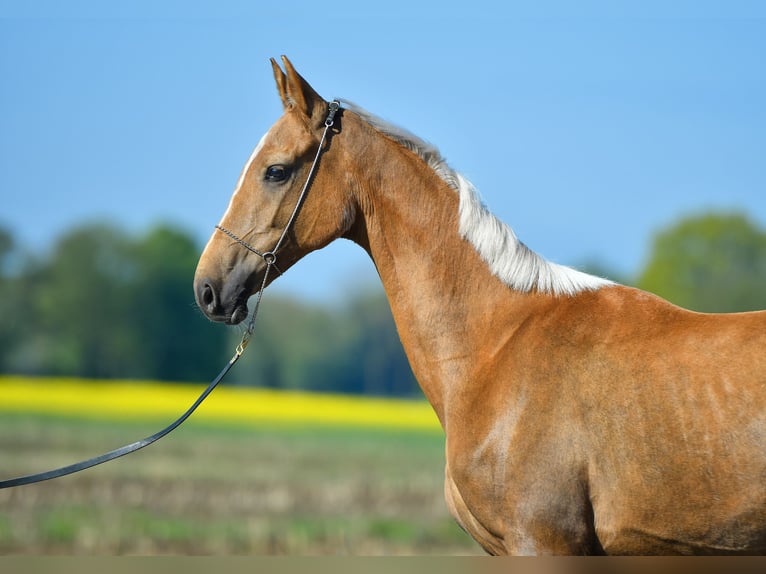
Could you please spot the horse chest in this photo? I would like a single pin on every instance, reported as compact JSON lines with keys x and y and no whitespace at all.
{"x":524,"y":496}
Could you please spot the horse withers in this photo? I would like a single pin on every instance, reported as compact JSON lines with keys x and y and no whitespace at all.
{"x":581,"y":416}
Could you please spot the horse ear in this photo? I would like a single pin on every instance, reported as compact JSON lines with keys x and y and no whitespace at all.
{"x":281,"y":80}
{"x":297,"y":93}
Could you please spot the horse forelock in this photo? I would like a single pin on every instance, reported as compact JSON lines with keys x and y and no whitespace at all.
{"x":507,"y":258}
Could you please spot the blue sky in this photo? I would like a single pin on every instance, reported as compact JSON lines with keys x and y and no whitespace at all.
{"x":586,"y":126}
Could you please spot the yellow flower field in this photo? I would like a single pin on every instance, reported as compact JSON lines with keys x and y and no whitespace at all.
{"x":113,"y":400}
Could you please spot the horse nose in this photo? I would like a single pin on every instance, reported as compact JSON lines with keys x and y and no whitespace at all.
{"x":207,"y":297}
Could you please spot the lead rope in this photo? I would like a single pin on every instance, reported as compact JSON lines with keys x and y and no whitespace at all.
{"x":270,"y":259}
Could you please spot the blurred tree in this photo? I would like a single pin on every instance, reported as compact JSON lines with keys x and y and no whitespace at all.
{"x":383,"y":366}
{"x":9,"y":299}
{"x":712,"y":263}
{"x":297,"y":345}
{"x":6,"y":248}
{"x":78,"y":300}
{"x":351,"y":348}
{"x":177,"y":342}
{"x":104,"y":304}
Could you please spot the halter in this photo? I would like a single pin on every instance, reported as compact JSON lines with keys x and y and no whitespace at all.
{"x":270,"y":258}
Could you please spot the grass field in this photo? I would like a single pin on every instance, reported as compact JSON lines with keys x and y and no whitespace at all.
{"x":249,"y":473}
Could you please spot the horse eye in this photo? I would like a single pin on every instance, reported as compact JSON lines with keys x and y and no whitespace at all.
{"x":277,"y":173}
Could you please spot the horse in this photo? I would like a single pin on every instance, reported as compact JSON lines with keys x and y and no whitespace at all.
{"x":580,"y":416}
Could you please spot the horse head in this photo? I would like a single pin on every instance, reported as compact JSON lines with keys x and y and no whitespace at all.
{"x":259,"y":224}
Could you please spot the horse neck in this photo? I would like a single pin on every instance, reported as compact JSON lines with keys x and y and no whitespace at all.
{"x":442,"y":295}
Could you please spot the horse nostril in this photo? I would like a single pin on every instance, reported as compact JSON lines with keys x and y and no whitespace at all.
{"x":207,"y":296}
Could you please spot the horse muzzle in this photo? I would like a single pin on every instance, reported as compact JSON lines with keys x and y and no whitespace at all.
{"x":224,"y":300}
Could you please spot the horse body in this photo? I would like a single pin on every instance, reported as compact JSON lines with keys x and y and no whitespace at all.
{"x":609,"y":438}
{"x":580,"y":416}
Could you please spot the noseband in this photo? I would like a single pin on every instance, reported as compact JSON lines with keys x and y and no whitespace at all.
{"x":270,"y":258}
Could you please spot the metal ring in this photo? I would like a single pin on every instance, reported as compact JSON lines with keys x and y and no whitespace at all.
{"x":333,"y":108}
{"x":270,"y":257}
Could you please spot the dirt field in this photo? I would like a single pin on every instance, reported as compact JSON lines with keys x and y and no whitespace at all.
{"x":212,"y":489}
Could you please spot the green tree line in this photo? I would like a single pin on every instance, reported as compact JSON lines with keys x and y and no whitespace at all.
{"x":107,"y":304}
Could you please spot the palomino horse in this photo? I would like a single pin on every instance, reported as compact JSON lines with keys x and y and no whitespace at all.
{"x":581,"y":416}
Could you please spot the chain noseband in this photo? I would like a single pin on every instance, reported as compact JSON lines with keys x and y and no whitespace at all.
{"x":270,"y":258}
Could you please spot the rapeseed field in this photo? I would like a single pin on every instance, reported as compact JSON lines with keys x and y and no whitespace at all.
{"x":141,"y":400}
{"x":252,"y":472}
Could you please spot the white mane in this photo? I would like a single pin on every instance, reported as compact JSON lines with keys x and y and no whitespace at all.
{"x":508,"y":258}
